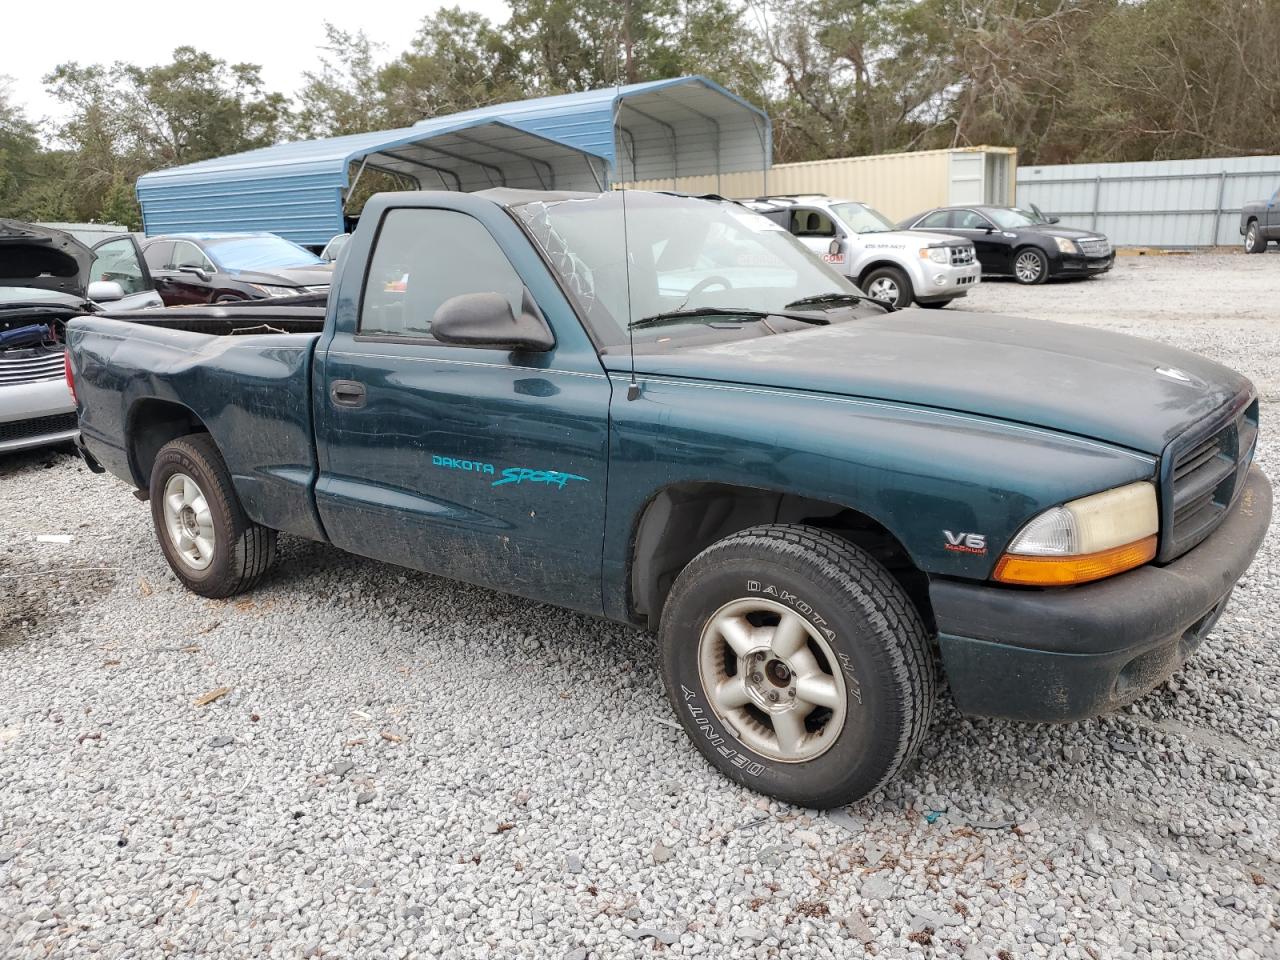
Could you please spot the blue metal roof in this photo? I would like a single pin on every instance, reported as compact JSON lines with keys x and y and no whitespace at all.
{"x":297,"y":190}
{"x":662,"y":128}
{"x":644,"y":131}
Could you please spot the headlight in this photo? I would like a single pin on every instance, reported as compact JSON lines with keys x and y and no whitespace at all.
{"x":1084,"y":540}
{"x":1067,"y":246}
{"x":274,"y":290}
{"x":936,"y":254}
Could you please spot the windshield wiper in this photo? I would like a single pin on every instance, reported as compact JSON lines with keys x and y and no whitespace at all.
{"x":712,"y":313}
{"x":820,"y":298}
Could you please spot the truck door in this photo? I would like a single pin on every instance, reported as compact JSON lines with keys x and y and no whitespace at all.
{"x":483,"y":465}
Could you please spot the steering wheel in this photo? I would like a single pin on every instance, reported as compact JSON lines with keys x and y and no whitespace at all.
{"x":706,"y":283}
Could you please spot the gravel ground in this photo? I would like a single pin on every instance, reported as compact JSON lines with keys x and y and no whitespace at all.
{"x":403,"y":766}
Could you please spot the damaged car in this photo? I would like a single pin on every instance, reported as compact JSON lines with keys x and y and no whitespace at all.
{"x":46,"y":278}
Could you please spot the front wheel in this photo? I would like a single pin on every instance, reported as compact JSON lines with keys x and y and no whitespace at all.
{"x":797,"y":664}
{"x":888,"y":285}
{"x":1030,"y":266}
{"x":1253,"y":241}
{"x":215,"y":550}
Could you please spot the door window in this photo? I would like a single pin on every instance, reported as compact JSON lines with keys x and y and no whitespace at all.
{"x":157,"y":255}
{"x":939,"y":220}
{"x":812,"y":223}
{"x":187,"y":254}
{"x":971,"y":220}
{"x":118,"y":260}
{"x":421,"y":258}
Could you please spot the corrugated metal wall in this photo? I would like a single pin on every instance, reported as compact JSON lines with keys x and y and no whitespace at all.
{"x":1161,"y":203}
{"x":896,"y":184}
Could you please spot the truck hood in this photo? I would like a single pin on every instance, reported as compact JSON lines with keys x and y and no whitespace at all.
{"x":1107,"y":386}
{"x":43,"y":258}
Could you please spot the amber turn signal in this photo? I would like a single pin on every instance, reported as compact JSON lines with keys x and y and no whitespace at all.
{"x":1064,"y":571}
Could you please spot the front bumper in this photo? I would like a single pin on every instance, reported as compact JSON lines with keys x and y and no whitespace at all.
{"x":35,"y":414}
{"x":1067,"y":654}
{"x":938,"y":281}
{"x":1082,"y":266}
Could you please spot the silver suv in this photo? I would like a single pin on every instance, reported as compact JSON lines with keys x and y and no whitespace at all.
{"x":898,"y":266}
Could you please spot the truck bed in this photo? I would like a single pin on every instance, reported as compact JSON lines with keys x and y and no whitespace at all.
{"x":241,"y":372}
{"x":291,"y":315}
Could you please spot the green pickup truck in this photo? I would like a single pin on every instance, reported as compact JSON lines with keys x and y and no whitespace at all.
{"x":664,"y":410}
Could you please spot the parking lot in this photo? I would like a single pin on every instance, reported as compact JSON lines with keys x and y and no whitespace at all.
{"x":360,"y":761}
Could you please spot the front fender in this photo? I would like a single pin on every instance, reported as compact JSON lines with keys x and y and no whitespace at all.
{"x":952,"y":488}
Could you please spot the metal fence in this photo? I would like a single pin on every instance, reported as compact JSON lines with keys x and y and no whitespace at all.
{"x":1161,"y":203}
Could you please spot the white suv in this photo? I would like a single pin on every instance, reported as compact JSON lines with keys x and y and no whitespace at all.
{"x":897,"y":266}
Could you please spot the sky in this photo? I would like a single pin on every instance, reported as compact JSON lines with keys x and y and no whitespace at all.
{"x":284,"y":39}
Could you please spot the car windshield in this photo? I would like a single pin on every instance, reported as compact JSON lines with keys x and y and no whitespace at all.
{"x":702,"y":258}
{"x":259,"y":253}
{"x":1010,"y":218}
{"x":860,"y":218}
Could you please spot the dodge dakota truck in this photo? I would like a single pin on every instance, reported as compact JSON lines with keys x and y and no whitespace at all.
{"x":663,"y":410}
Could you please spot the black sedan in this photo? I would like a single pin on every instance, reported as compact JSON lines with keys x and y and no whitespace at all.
{"x":196,"y":268}
{"x":1015,"y":243}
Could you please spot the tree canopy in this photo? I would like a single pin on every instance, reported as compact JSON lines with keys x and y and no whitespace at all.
{"x":1061,"y":80}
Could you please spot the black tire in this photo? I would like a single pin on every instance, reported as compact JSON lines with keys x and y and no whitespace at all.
{"x":242,"y":550}
{"x":1039,"y":276}
{"x":1253,"y":239}
{"x":885,"y":659}
{"x":934,"y":304}
{"x":893,"y":276}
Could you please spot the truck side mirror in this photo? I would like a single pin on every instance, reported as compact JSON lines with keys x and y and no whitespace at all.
{"x":486,"y":320}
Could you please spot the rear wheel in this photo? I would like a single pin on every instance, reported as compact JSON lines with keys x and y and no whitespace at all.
{"x":797,"y":664}
{"x":1030,"y":266}
{"x":1253,"y":240}
{"x":215,"y":550}
{"x":889,"y":285}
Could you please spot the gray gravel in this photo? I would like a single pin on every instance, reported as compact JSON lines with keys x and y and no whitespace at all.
{"x":403,"y":766}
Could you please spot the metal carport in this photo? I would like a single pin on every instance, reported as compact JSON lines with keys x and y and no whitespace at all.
{"x":662,"y":129}
{"x":297,"y":190}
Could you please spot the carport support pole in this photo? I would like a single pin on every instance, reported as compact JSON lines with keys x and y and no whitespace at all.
{"x":354,"y":183}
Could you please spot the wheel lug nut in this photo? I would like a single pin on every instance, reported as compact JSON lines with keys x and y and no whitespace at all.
{"x":756,"y":678}
{"x":773,"y":697}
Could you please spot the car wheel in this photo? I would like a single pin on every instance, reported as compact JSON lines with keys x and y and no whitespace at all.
{"x":1030,"y":266}
{"x":797,"y":664}
{"x":1253,"y":240}
{"x":215,"y":550}
{"x":888,"y":285}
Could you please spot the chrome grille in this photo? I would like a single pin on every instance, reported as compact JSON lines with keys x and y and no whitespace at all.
{"x":1095,"y":247}
{"x":1207,"y":473}
{"x":961,"y":256}
{"x":28,"y":366}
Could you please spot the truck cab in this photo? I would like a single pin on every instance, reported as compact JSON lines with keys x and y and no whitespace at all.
{"x":895,"y":266}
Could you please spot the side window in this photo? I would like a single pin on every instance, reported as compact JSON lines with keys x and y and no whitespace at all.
{"x":118,"y":260}
{"x":421,"y":258}
{"x":186,"y":254}
{"x":970,"y":220}
{"x":812,"y":223}
{"x":157,"y":255}
{"x":939,"y":219}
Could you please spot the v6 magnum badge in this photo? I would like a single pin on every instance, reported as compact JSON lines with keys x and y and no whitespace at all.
{"x":965,"y":542}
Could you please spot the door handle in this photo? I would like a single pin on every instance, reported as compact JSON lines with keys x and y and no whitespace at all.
{"x":347,"y":393}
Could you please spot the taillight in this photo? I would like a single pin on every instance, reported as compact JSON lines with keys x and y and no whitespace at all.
{"x":71,"y":379}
